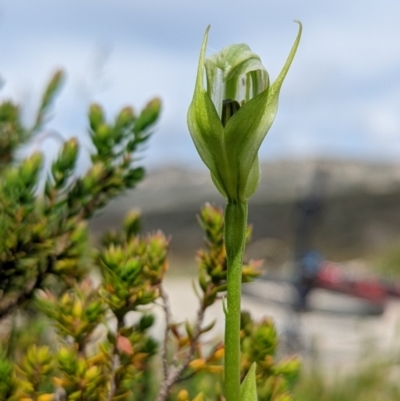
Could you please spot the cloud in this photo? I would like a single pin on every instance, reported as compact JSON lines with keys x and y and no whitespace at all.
{"x":340,"y":97}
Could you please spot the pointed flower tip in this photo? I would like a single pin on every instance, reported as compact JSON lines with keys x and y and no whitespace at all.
{"x":199,"y":78}
{"x":206,"y":34}
{"x":279,"y":80}
{"x":300,"y":26}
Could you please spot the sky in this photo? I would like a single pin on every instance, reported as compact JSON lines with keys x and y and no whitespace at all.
{"x":341,"y":98}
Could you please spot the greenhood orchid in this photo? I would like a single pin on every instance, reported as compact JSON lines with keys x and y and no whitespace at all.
{"x":230,"y":116}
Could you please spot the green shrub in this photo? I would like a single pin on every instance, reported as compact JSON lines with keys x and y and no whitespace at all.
{"x":65,"y":338}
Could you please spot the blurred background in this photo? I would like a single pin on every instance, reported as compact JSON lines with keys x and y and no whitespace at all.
{"x":339,"y":109}
{"x":340,"y":100}
{"x":339,"y":106}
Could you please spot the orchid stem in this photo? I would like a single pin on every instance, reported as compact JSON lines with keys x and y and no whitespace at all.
{"x":235,"y":238}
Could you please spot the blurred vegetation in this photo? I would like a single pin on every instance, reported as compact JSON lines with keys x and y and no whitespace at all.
{"x":63,"y":337}
{"x":372,"y":380}
{"x":386,"y":261}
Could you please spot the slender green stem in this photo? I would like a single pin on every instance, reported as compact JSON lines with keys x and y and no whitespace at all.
{"x":235,"y":237}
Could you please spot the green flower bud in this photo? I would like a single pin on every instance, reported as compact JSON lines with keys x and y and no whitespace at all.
{"x":48,"y":96}
{"x":68,"y":154}
{"x":149,"y":115}
{"x":36,"y":364}
{"x":92,"y":373}
{"x":103,"y":139}
{"x":53,"y":86}
{"x":96,"y":116}
{"x":131,"y":270}
{"x":93,"y":177}
{"x":203,"y":282}
{"x":125,"y":117}
{"x":229,"y":119}
{"x":113,"y":257}
{"x":265,"y":338}
{"x":29,"y":169}
{"x":62,"y":167}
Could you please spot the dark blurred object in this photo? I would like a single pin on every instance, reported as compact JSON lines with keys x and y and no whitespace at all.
{"x":309,"y":210}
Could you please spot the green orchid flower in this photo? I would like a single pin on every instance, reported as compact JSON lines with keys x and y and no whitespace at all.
{"x":229,"y":119}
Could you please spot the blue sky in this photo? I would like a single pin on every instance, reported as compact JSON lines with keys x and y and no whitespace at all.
{"x":340,"y":99}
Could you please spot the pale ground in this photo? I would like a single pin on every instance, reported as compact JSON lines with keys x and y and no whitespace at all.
{"x":340,"y":340}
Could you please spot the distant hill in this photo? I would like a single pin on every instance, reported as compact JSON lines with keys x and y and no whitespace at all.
{"x":361,"y":209}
